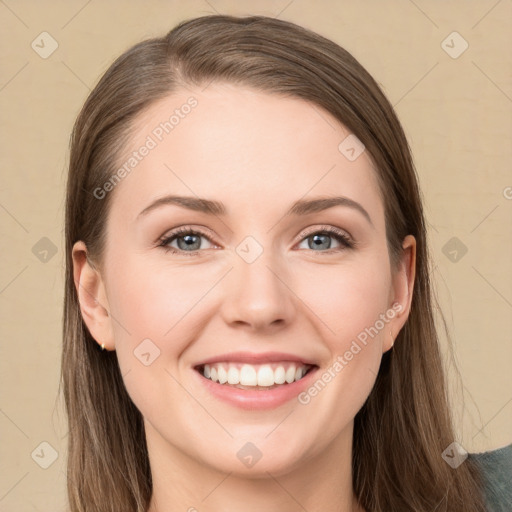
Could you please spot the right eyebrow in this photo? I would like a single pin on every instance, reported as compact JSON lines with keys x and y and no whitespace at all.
{"x":192,"y":203}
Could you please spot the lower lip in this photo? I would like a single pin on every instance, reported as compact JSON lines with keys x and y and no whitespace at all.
{"x":257,"y":399}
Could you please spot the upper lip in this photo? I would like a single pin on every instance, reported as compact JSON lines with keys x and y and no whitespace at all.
{"x":255,"y":358}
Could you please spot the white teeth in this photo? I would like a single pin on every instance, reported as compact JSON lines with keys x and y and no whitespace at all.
{"x":248,"y":376}
{"x":290,"y":374}
{"x":279,"y":375}
{"x":233,"y":376}
{"x":265,"y":375}
{"x":222,"y":375}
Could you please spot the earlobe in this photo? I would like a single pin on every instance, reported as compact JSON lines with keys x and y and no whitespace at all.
{"x":403,"y":286}
{"x":92,"y":297}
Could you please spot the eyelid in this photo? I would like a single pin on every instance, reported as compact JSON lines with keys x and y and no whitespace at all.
{"x":174,"y":233}
{"x":325,"y":228}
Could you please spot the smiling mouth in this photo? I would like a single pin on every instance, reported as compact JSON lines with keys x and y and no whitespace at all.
{"x":255,"y":376}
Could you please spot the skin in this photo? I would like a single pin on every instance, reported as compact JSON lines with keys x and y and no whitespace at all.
{"x":257,"y":153}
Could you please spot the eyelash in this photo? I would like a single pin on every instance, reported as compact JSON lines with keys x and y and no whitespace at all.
{"x":339,"y":235}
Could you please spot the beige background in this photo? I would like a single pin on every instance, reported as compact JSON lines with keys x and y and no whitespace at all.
{"x":457,"y":113}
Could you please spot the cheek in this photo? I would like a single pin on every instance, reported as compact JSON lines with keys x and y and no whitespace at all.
{"x":154,"y":307}
{"x":153,"y":300}
{"x":350,"y":301}
{"x":350,"y":304}
{"x":348,"y":298}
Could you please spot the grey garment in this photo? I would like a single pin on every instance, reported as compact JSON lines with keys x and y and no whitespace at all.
{"x":496,"y":467}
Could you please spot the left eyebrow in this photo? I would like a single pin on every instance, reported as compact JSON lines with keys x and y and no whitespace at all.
{"x":307,"y":206}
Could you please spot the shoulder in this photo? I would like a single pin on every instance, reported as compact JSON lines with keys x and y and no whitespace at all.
{"x":496,"y":470}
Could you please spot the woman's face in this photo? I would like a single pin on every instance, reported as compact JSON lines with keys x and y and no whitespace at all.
{"x":260,"y":288}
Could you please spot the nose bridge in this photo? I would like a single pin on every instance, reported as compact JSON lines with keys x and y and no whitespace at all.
{"x":257,"y":292}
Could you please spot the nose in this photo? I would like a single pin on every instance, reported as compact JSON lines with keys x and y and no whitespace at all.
{"x":257,"y":296}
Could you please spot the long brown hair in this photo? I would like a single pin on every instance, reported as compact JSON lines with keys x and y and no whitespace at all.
{"x":405,"y":424}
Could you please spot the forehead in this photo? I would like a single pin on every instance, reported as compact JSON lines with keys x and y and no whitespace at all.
{"x":243,"y":147}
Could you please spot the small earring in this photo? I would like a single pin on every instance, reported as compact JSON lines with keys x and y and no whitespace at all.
{"x":392,"y":339}
{"x":103,"y":346}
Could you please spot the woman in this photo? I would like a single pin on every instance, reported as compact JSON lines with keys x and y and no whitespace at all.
{"x":248,"y":312}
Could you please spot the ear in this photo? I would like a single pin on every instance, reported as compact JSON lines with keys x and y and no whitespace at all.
{"x":402,"y":290}
{"x":92,"y":297}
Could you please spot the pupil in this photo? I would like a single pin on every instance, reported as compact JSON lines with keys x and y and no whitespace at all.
{"x":319,"y":243}
{"x":189,"y":241}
